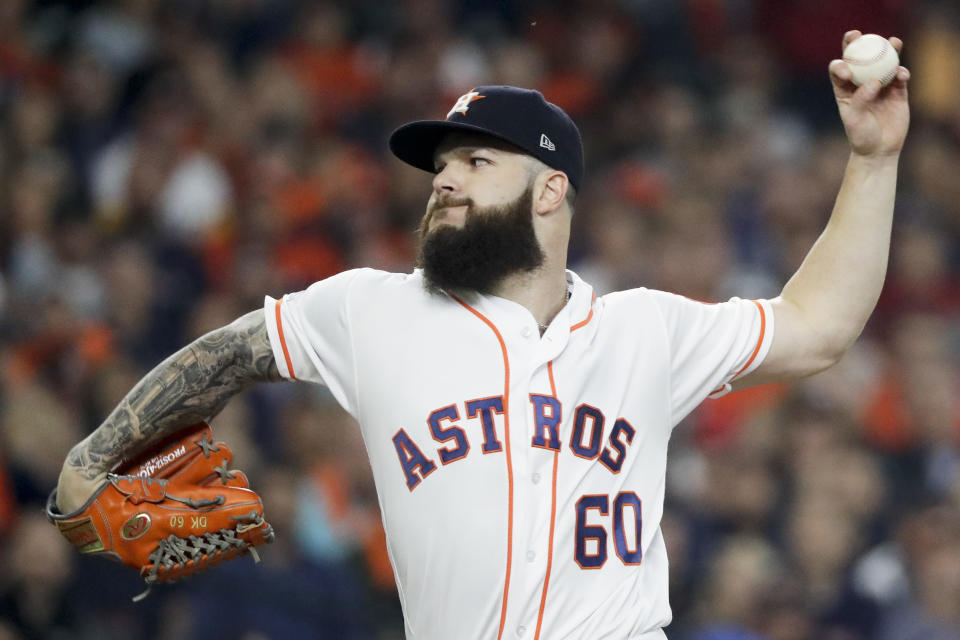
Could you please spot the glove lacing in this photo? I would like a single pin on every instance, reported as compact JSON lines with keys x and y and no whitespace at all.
{"x":206,"y":446}
{"x":224,"y":473}
{"x":207,"y":549}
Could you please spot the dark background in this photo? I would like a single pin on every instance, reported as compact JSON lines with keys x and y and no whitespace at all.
{"x":165,"y":164}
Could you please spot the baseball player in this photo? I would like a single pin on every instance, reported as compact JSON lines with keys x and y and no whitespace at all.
{"x":517,"y":423}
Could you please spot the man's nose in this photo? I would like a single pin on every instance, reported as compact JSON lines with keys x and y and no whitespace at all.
{"x":446,"y":181}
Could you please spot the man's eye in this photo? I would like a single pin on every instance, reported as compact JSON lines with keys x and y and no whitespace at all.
{"x":477,"y":161}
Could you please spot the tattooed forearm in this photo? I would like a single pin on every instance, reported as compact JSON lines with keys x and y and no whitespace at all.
{"x":191,"y":385}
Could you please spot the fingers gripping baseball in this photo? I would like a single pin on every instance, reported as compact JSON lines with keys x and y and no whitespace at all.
{"x":871,"y":92}
{"x":175,"y":510}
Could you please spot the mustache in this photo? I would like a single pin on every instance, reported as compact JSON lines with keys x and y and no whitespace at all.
{"x":444,"y":203}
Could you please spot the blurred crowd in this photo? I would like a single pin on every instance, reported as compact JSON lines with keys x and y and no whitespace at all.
{"x":164,"y":164}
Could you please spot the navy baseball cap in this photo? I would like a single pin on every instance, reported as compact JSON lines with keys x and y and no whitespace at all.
{"x":522,"y":117}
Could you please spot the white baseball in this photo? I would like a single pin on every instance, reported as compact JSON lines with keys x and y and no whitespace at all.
{"x":871,"y":56}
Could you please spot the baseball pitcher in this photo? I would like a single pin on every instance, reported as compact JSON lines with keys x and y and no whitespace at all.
{"x":517,"y":423}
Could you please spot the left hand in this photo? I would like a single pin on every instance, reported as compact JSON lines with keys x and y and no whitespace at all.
{"x":182,"y":512}
{"x":875,"y":119}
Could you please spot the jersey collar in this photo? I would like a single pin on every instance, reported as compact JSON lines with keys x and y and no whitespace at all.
{"x":577,"y":314}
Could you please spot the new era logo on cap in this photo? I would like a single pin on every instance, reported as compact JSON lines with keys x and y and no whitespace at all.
{"x":522,"y":117}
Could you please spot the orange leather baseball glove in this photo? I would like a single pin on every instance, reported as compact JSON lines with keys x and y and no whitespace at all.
{"x":175,"y":510}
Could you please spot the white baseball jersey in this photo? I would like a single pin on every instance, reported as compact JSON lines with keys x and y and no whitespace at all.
{"x":520,"y":476}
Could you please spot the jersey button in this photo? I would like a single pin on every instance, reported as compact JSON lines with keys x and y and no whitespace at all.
{"x":536,"y":478}
{"x":526,"y":332}
{"x":530,"y":556}
{"x":521,"y":630}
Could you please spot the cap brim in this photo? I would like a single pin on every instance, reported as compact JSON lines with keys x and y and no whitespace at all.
{"x":416,"y":143}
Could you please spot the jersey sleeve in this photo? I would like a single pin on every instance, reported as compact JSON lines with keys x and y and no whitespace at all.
{"x":310,"y":334}
{"x":711,"y":345}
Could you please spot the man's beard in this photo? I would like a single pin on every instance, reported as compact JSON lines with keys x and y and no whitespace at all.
{"x":493,"y":243}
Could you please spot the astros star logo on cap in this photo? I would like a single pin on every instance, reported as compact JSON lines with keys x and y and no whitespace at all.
{"x":463,"y":102}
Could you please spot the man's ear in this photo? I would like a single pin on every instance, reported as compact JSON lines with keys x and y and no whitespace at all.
{"x":550,"y":191}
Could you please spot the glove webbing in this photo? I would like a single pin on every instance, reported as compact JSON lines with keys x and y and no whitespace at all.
{"x":207,"y":549}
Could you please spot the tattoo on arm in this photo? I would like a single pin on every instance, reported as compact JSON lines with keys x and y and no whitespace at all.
{"x":191,"y":385}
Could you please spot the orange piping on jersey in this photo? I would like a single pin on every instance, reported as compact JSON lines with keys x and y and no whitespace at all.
{"x":506,"y":437}
{"x":283,"y":341}
{"x":756,"y":349}
{"x":553,"y":517}
{"x":586,"y":320}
